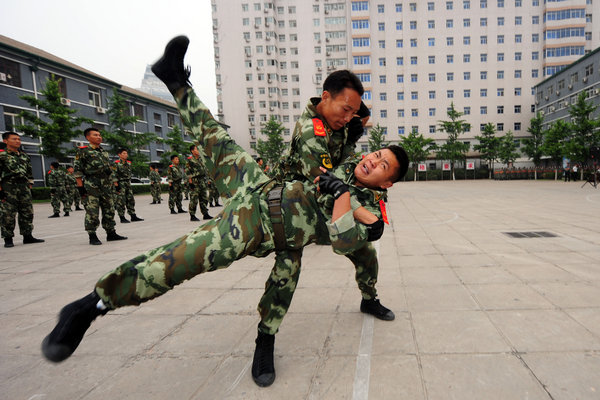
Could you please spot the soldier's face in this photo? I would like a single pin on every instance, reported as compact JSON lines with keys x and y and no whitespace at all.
{"x":13,"y":142}
{"x":339,"y":110}
{"x":176,"y":161}
{"x":195,"y":152}
{"x":94,"y":137}
{"x":123,"y":155}
{"x":377,"y":170}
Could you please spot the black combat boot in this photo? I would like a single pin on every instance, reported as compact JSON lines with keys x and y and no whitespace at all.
{"x":375,"y":308}
{"x":55,"y":215}
{"x":66,"y":213}
{"x":194,"y":218}
{"x":263,"y":369}
{"x":123,"y":219}
{"x":206,"y":215}
{"x":217,"y":204}
{"x":94,"y":239}
{"x":74,"y":319}
{"x":153,"y":202}
{"x":135,"y":218}
{"x":181,"y":211}
{"x":173,"y":211}
{"x":169,"y":68}
{"x":77,"y":208}
{"x":27,"y":239}
{"x":113,"y":235}
{"x":8,"y":242}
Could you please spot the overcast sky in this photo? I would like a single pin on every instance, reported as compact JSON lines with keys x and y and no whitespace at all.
{"x":117,"y":38}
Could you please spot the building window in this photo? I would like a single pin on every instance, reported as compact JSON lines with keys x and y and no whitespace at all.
{"x":449,"y":5}
{"x":483,"y":57}
{"x":466,"y":4}
{"x":483,"y":92}
{"x":500,"y":39}
{"x":483,"y":75}
{"x":466,"y":22}
{"x":500,"y":21}
{"x":517,"y":91}
{"x":431,"y":42}
{"x":483,"y":110}
{"x":432,"y":94}
{"x":399,"y":43}
{"x":500,"y":127}
{"x":518,"y":38}
{"x":467,"y":93}
{"x":432,"y":77}
{"x":466,"y":40}
{"x":399,"y":60}
{"x":431,"y":6}
{"x":382,"y":62}
{"x":414,"y":95}
{"x":431,"y":24}
{"x":500,"y":109}
{"x":482,"y":3}
{"x":381,"y":26}
{"x":383,"y":96}
{"x":518,"y":73}
{"x":449,"y":23}
{"x":398,"y":7}
{"x":170,"y":120}
{"x":400,"y":78}
{"x":431,"y":128}
{"x":466,"y":58}
{"x":467,"y":110}
{"x":535,"y":37}
{"x":400,"y":130}
{"x":413,"y":25}
{"x":401,"y":112}
{"x":467,"y":76}
{"x":382,"y":78}
{"x":535,"y":55}
{"x":517,"y":109}
{"x":518,"y":56}
{"x":519,"y":20}
{"x":414,"y":77}
{"x":449,"y":76}
{"x":400,"y":95}
{"x":432,"y":112}
{"x":483,"y":21}
{"x":517,"y":126}
{"x":414,"y":112}
{"x":138,"y":111}
{"x":383,"y":113}
{"x":500,"y":74}
{"x":483,"y":39}
{"x":450,"y":59}
{"x":431,"y":59}
{"x":380,"y":8}
{"x":450,"y":94}
{"x":94,"y":98}
{"x":413,"y":60}
{"x":449,"y":41}
{"x":500,"y":92}
{"x":413,"y":7}
{"x":398,"y":25}
{"x":413,"y":42}
{"x":500,"y":56}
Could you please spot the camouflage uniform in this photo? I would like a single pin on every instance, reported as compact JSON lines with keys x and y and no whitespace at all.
{"x":314,"y":144}
{"x":74,"y":199}
{"x":57,"y":180}
{"x":124,"y":197}
{"x":93,"y":166}
{"x":175,"y":190}
{"x":195,"y":170}
{"x":16,"y":176}
{"x":243,"y":228}
{"x":155,"y":186}
{"x":213,"y":193}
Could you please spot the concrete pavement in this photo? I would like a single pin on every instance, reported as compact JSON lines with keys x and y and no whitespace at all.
{"x":479,"y":314}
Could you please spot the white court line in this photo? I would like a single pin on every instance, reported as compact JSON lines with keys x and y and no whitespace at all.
{"x":239,"y":377}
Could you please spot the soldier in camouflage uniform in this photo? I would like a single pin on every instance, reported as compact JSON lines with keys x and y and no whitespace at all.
{"x":124,"y":195}
{"x":245,"y":227}
{"x":57,"y":180}
{"x":154,"y":185}
{"x":95,"y":183}
{"x":213,"y":193}
{"x":16,"y":179}
{"x":72,"y":192}
{"x":175,"y":186}
{"x":196,"y":175}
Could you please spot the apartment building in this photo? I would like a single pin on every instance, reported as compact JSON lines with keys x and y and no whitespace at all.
{"x":414,"y":58}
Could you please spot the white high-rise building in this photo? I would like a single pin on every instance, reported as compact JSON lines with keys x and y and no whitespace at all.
{"x":413,"y":57}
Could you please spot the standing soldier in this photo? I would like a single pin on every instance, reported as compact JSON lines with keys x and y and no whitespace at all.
{"x":175,"y":177}
{"x":213,"y":193}
{"x":57,"y":180}
{"x":94,"y":181}
{"x":72,"y":192}
{"x":124,"y":194}
{"x":154,"y":185}
{"x":16,"y":179}
{"x":196,"y":175}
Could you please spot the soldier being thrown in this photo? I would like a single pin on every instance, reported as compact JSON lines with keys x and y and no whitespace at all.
{"x":245,"y":226}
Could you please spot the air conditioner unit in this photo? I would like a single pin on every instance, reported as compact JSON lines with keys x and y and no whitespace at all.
{"x":267,"y":24}
{"x":266,"y":10}
{"x":251,"y":95}
{"x":247,"y":40}
{"x":251,"y":109}
{"x":557,"y":93}
{"x":220,"y":111}
{"x":65,"y":102}
{"x":585,"y":79}
{"x":542,"y":112}
{"x":78,"y":144}
{"x":326,"y":11}
{"x":319,"y":41}
{"x":328,"y":53}
{"x":319,"y":69}
{"x":552,"y":109}
{"x":252,"y":123}
{"x":255,"y":26}
{"x":270,"y":80}
{"x":271,"y":109}
{"x":267,"y":38}
{"x":327,"y":40}
{"x":546,"y":97}
{"x":537,"y":101}
{"x":217,"y":56}
{"x":570,"y":86}
{"x":3,"y":77}
{"x":566,"y":104}
{"x":270,"y":94}
{"x":101,"y":110}
{"x":596,"y":91}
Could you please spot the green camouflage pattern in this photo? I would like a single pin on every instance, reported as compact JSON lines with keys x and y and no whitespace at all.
{"x":195,"y":170}
{"x":175,"y":177}
{"x":57,"y":181}
{"x":124,"y":197}
{"x":74,"y":199}
{"x":92,"y":164}
{"x":243,"y":227}
{"x":155,"y":186}
{"x":213,"y":193}
{"x":16,"y":177}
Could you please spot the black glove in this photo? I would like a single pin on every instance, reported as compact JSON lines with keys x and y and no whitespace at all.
{"x":330,"y":184}
{"x":81,"y":191}
{"x":52,"y":191}
{"x":192,"y":186}
{"x":375,"y":230}
{"x":363,"y":111}
{"x":2,"y":195}
{"x":355,"y":129}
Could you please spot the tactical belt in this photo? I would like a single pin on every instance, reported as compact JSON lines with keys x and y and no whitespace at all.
{"x":274,"y":202}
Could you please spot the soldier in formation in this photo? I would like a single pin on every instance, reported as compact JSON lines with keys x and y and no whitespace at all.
{"x":175,"y":186}
{"x":16,"y":180}
{"x":95,"y":183}
{"x":154,"y":184}
{"x":123,"y":194}
{"x":72,"y":192}
{"x":57,"y":180}
{"x":213,"y":193}
{"x":196,"y":175}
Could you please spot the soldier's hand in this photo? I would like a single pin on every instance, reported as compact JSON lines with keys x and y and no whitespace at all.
{"x":118,"y":188}
{"x":375,"y":230}
{"x":81,"y":191}
{"x":192,"y":186}
{"x":327,"y":183}
{"x":2,"y":195}
{"x":355,"y":129}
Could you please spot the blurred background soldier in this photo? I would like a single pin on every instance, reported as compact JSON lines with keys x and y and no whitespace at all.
{"x":185,"y":188}
{"x":94,"y":181}
{"x":196,"y":176}
{"x":72,"y":192}
{"x":154,"y":184}
{"x":16,"y":179}
{"x":175,"y":187}
{"x":57,"y":180}
{"x":213,"y":193}
{"x":124,"y":195}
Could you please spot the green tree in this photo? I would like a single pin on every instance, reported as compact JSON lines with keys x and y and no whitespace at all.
{"x":533,"y":145}
{"x":417,"y":148}
{"x":554,"y":143}
{"x":488,"y":146}
{"x":270,"y":150}
{"x":584,"y":134}
{"x":177,"y":145}
{"x":119,"y":136}
{"x":508,"y":149}
{"x":59,"y":126}
{"x":376,"y":136}
{"x":453,"y":150}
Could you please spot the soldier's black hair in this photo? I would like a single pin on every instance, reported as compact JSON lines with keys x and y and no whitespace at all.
{"x":192,"y":147}
{"x":402,"y":158}
{"x":7,"y":134}
{"x":88,"y":130}
{"x":339,"y":80}
{"x":122,"y":149}
{"x":259,"y":159}
{"x":173,"y":156}
{"x":55,"y":164}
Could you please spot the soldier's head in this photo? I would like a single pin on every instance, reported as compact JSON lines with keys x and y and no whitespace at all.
{"x":55,"y":165}
{"x":260,"y":161}
{"x":342,"y":91}
{"x":194,"y":150}
{"x":175,"y":159}
{"x":382,"y":168}
{"x":93,"y":136}
{"x":123,"y":154}
{"x":12,"y":140}
{"x":70,"y":169}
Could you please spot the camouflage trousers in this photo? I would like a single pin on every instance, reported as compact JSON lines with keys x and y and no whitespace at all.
{"x":243,"y":228}
{"x":124,"y":199}
{"x":213,"y":194}
{"x":93,"y":204}
{"x":60,"y":195}
{"x":18,"y":201}
{"x":74,"y":198}
{"x":198,"y":196}
{"x":175,"y":195}
{"x":155,"y":192}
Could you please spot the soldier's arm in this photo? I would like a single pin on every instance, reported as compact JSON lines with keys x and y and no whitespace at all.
{"x":311,"y":148}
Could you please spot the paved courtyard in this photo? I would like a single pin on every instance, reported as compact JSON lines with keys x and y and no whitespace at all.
{"x":479,"y":314}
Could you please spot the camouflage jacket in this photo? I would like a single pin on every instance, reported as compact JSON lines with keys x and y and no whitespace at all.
{"x":195,"y":169}
{"x":71,"y":181}
{"x":57,"y":178}
{"x":154,"y":177}
{"x":174,"y":173}
{"x":122,"y":172}
{"x":93,"y":165}
{"x":15,"y":167}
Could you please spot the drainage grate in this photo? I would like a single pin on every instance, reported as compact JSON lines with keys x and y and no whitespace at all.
{"x":530,"y":234}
